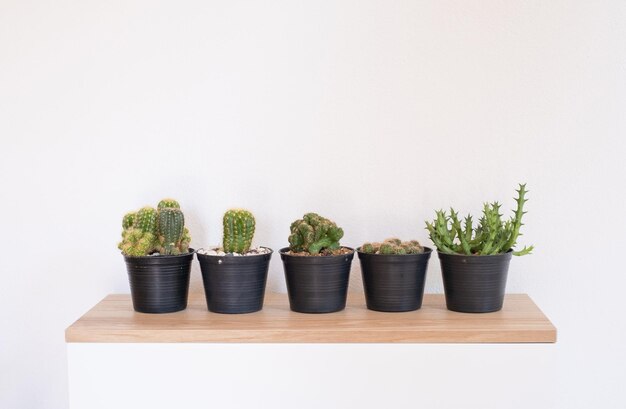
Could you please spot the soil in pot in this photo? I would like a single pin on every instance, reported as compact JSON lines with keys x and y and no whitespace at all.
{"x":394,"y":282}
{"x":158,"y":283}
{"x":234,"y":284}
{"x":474,"y":283}
{"x":317,"y":284}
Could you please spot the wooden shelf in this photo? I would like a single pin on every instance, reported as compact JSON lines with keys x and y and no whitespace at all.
{"x":113,"y":320}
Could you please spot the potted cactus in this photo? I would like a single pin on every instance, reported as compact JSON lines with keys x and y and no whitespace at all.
{"x":317,"y":267}
{"x":235,"y":274}
{"x":155,"y":245}
{"x":393,"y":274}
{"x":475,"y":260}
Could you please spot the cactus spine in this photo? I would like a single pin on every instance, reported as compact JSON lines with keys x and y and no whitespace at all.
{"x":150,"y":230}
{"x":313,"y":234}
{"x":238,"y":231}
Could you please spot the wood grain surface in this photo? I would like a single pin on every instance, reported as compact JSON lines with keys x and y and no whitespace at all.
{"x":113,"y":320}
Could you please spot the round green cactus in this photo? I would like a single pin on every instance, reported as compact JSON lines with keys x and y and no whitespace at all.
{"x":168,"y":204}
{"x":129,"y":220}
{"x":239,"y":227}
{"x":387,"y":248}
{"x":146,"y":220}
{"x":368,"y":248}
{"x":313,"y":234}
{"x":393,"y":246}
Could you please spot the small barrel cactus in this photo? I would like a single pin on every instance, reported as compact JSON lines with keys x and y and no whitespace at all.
{"x":146,"y":220}
{"x":393,"y":246}
{"x":129,"y":220}
{"x":152,"y":230}
{"x":168,"y":203}
{"x":313,"y":234}
{"x":239,"y":227}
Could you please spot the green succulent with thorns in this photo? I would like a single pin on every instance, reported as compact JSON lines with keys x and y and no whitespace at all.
{"x":314,"y":234}
{"x":393,"y":246}
{"x":492,"y":235}
{"x":151,"y":230}
{"x":239,"y":227}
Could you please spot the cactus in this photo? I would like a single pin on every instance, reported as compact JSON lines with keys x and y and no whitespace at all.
{"x":368,"y":248}
{"x":313,"y":234}
{"x":168,"y":204}
{"x":146,"y":220}
{"x":393,"y":246}
{"x":152,"y":230}
{"x":238,"y":231}
{"x":491,"y":236}
{"x":171,"y":229}
{"x":129,"y":220}
{"x":137,"y":243}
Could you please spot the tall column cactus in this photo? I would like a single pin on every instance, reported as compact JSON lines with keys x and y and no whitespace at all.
{"x":314,"y":233}
{"x":239,"y":228}
{"x":171,"y":229}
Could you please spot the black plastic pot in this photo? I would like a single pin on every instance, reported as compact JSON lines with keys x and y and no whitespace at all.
{"x":234,"y":284}
{"x":317,"y":284}
{"x":474,"y":283}
{"x":159,"y":284}
{"x":394,"y":283}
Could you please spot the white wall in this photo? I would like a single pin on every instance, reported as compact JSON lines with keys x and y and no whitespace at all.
{"x":372,"y":113}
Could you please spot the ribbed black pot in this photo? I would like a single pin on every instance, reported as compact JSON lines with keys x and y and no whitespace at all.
{"x":159,"y":284}
{"x":474,"y":283}
{"x":394,"y":283}
{"x":234,"y":284}
{"x":317,"y":284}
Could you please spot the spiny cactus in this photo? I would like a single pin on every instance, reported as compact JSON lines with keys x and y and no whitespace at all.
{"x":146,"y":220}
{"x":168,"y":203}
{"x":393,"y":246}
{"x":238,"y":231}
{"x":491,"y":236}
{"x":137,"y":243}
{"x":152,"y":230}
{"x":129,"y":220}
{"x":171,"y":228}
{"x":313,"y":234}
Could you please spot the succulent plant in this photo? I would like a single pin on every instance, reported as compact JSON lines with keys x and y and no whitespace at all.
{"x":238,"y":231}
{"x":171,"y":230}
{"x":313,"y":234}
{"x":393,"y":246}
{"x":491,"y":236}
{"x":168,"y":203}
{"x":129,"y":220}
{"x":150,"y":230}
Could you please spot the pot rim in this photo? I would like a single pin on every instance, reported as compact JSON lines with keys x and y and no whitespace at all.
{"x":231,"y":256}
{"x":162,"y":256}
